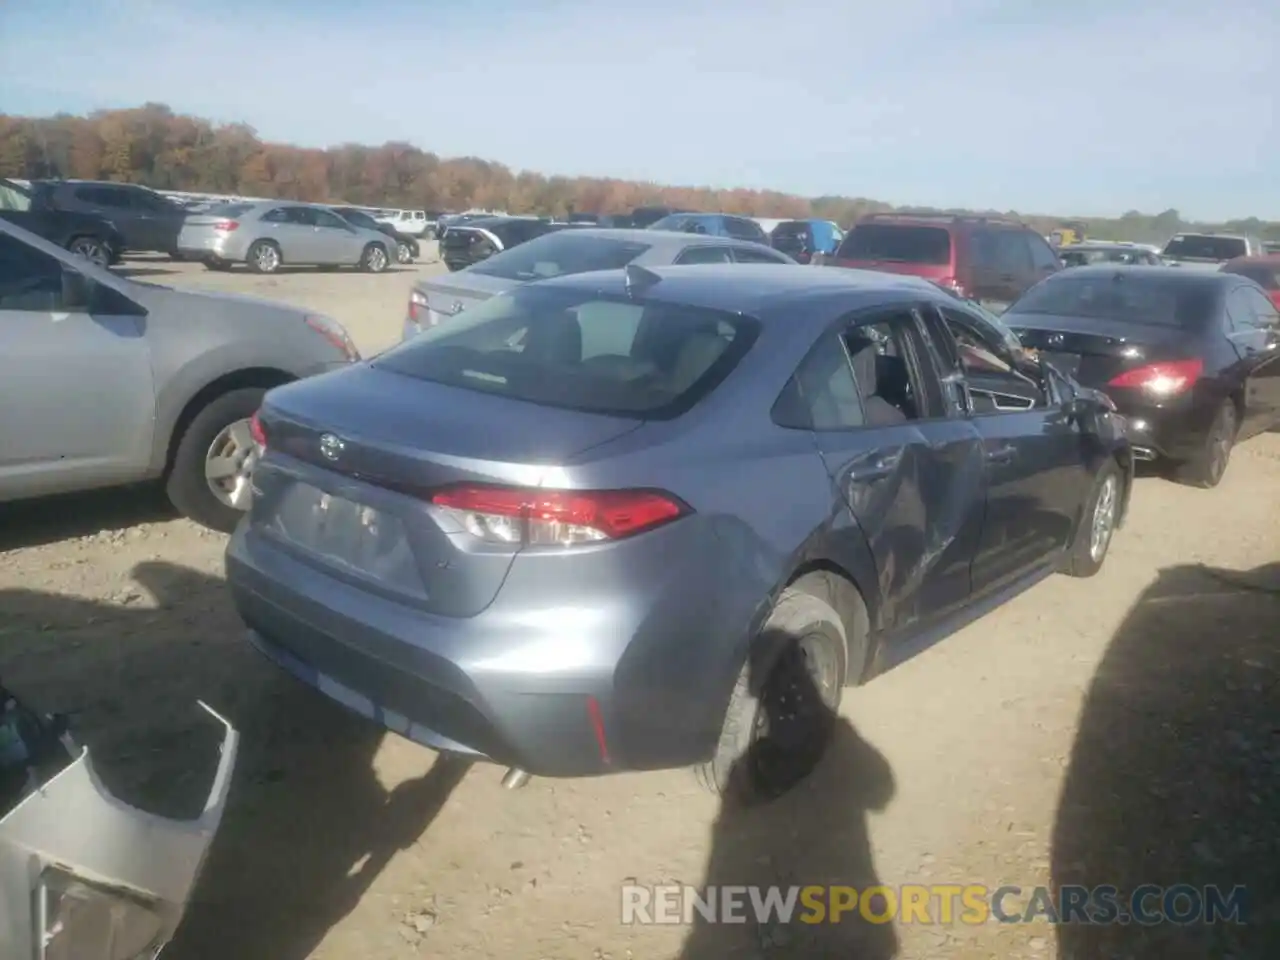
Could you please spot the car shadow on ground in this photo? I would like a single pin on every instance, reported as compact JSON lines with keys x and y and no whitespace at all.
{"x":70,"y":516}
{"x":1175,"y":774}
{"x":815,"y":833}
{"x":309,"y":825}
{"x":138,"y":272}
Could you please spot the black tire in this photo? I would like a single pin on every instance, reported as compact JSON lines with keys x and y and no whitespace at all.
{"x":92,"y":249}
{"x":1083,"y":560}
{"x":219,"y":266}
{"x":259,"y":261}
{"x":186,"y":486}
{"x":797,"y":664}
{"x":176,"y":257}
{"x":1207,"y":468}
{"x":375,"y":258}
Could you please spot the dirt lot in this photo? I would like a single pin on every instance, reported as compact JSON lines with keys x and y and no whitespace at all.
{"x":1122,"y":730}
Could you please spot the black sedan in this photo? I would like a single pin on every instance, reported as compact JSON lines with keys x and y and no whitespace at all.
{"x":1190,"y":358}
{"x":406,"y":246}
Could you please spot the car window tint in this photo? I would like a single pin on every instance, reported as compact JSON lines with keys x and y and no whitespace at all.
{"x":580,"y":350}
{"x":1042,"y":257}
{"x":30,"y":280}
{"x":11,"y":198}
{"x":748,"y":255}
{"x":1010,"y":253}
{"x":897,"y":243}
{"x":104,"y":196}
{"x":278,"y":215}
{"x":740,"y":229}
{"x":1148,"y":298}
{"x":704,"y":254}
{"x":1194,"y":246}
{"x":559,"y":253}
{"x":821,"y":394}
{"x":326,"y":219}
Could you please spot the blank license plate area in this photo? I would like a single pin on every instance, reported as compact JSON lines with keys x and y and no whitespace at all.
{"x":347,"y":534}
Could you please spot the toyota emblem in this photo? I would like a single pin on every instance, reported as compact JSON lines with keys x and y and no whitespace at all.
{"x":331,"y":447}
{"x":456,"y":308}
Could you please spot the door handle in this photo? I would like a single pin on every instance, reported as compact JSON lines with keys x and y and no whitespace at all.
{"x":877,"y":468}
{"x":1001,"y":454}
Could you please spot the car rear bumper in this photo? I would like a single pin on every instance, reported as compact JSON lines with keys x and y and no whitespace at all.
{"x":1172,"y":431}
{"x":564,"y":690}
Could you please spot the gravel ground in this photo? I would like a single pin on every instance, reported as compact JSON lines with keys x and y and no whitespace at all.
{"x":1121,"y":730}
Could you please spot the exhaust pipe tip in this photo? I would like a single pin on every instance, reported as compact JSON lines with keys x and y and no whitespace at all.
{"x":514,"y":778}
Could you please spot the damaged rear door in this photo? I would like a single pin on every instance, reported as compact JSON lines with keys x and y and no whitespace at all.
{"x":911,"y":478}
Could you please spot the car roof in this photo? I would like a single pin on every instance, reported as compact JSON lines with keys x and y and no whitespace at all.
{"x":756,"y":289}
{"x":659,"y":238}
{"x":1170,"y":274}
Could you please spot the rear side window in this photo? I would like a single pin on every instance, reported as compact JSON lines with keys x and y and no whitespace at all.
{"x":1150,"y":299}
{"x":579,"y":350}
{"x":897,"y":243}
{"x":740,"y":229}
{"x":749,"y":255}
{"x":560,"y":253}
{"x":1198,"y":247}
{"x":104,"y":196}
{"x":707,"y":254}
{"x":1265,"y":275}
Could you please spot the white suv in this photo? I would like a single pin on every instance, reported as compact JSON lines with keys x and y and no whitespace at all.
{"x":411,"y":222}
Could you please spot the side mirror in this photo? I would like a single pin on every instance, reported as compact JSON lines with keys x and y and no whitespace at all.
{"x":77,"y":290}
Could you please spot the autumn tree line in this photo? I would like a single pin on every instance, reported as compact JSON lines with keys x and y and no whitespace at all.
{"x":153,"y":145}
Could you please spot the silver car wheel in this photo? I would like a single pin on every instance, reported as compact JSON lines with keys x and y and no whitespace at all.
{"x":403,"y":253}
{"x":377,"y":260}
{"x":92,"y":250}
{"x":1104,"y":519}
{"x":268,"y":258}
{"x":229,"y":463}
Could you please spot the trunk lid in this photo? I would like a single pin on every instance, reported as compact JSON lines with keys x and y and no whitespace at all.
{"x":352,"y":459}
{"x":1094,"y":351}
{"x":453,"y":293}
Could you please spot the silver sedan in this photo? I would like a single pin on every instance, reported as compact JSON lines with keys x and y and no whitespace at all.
{"x":265,"y":236}
{"x":106,"y":381}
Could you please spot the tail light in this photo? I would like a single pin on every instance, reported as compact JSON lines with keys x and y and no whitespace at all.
{"x":226,"y":226}
{"x":417,"y":308}
{"x":1162,"y":379}
{"x":955,"y":286}
{"x":335,"y":333}
{"x":532,"y":516}
{"x":259,"y":435}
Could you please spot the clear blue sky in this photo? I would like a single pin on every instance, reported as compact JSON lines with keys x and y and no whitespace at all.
{"x":1088,"y":107}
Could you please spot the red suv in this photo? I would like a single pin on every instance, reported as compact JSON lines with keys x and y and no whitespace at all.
{"x":1263,"y":270}
{"x":990,"y":259}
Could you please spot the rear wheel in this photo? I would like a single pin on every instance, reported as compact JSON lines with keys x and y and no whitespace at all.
{"x":784,"y":702}
{"x":1208,"y":466}
{"x":404,"y":253}
{"x":264,"y":257}
{"x":209,"y":480}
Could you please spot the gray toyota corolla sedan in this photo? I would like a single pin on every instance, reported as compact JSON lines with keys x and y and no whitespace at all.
{"x":650,"y":518}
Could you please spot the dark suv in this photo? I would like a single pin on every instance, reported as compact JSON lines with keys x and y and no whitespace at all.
{"x":993,"y":260}
{"x":85,"y":234}
{"x":477,"y":240}
{"x":149,"y":221}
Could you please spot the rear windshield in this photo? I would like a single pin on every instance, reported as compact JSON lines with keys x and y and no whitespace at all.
{"x":229,"y":209}
{"x":897,"y":243}
{"x":559,"y":253}
{"x":1082,"y":257}
{"x":1150,"y":299}
{"x":1193,"y":247}
{"x":579,"y":350}
{"x":1265,"y":274}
